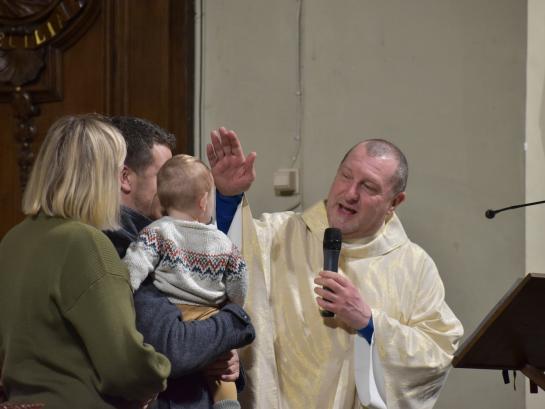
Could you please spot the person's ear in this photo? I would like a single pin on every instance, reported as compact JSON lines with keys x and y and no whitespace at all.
{"x":126,"y":179}
{"x":203,"y":202}
{"x":396,"y":201}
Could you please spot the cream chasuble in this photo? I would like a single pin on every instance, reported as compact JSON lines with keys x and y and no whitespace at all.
{"x":300,"y":360}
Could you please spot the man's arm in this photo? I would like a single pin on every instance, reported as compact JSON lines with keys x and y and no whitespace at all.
{"x":343,"y":299}
{"x":190,"y":346}
{"x":415,"y":352}
{"x":226,"y":207}
{"x":233,"y":173}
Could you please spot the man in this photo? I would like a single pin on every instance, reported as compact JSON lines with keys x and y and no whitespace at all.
{"x":148,"y":148}
{"x":193,"y":347}
{"x":392,"y":335}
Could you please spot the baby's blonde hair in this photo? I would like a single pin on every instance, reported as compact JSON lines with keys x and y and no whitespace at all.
{"x":76,"y":173}
{"x":182,"y":181}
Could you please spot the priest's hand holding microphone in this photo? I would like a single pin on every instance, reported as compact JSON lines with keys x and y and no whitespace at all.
{"x":339,"y":296}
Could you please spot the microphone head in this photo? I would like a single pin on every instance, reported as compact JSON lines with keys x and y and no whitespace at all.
{"x":490,"y":214}
{"x":333,"y":238}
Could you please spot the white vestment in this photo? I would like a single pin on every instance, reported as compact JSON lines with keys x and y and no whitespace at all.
{"x":300,"y":360}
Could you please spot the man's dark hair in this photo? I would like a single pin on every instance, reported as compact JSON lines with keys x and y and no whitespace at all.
{"x":140,"y":136}
{"x":381,"y":147}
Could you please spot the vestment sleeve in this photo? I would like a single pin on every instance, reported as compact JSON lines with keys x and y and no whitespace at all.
{"x":368,"y":374}
{"x":260,"y":360}
{"x":143,"y":255}
{"x":190,"y":345}
{"x":226,"y":207}
{"x":416,"y":349}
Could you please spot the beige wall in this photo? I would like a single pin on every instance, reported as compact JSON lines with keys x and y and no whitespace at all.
{"x":535,"y":155}
{"x":445,"y":80}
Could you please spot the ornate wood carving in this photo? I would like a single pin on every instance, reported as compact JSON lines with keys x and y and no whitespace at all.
{"x":25,"y":131}
{"x":33,"y":34}
{"x":135,"y":59}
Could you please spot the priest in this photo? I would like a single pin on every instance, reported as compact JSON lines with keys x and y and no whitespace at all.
{"x":391,"y":340}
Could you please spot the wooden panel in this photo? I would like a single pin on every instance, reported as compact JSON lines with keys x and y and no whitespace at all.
{"x":148,"y":54}
{"x":10,"y":191}
{"x":136,"y":59}
{"x":182,"y":73}
{"x":155,"y":73}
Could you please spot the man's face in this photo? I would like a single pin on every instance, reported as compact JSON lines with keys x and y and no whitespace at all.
{"x":361,"y":197}
{"x":143,"y":185}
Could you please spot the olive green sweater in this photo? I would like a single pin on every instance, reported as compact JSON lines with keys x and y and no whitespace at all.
{"x":67,"y":322}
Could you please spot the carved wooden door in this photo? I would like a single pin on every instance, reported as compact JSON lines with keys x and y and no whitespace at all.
{"x":115,"y":57}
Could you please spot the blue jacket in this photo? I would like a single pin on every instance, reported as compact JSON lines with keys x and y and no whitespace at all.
{"x":190,"y":346}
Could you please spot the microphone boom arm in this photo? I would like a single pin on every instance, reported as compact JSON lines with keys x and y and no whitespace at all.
{"x":491,"y":213}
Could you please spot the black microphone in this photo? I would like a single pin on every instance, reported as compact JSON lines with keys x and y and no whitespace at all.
{"x":332,"y":248}
{"x":490,"y":214}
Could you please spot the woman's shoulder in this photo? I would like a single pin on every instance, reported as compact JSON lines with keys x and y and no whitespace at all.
{"x":57,"y":231}
{"x":91,"y":248}
{"x":90,"y":257}
{"x":79,"y":233}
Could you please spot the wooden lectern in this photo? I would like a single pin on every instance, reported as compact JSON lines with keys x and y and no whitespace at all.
{"x":512,"y":336}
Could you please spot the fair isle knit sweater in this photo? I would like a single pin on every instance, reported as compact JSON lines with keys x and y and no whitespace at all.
{"x":192,"y":263}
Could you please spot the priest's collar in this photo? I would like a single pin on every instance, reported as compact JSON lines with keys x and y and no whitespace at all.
{"x":389,"y":237}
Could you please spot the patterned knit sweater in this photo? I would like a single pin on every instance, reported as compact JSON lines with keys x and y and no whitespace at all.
{"x":192,"y":263}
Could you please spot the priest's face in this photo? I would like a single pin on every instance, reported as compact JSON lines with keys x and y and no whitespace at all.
{"x":361,"y":197}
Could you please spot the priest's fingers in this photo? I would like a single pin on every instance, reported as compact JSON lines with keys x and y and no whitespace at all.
{"x":342,"y":280}
{"x":225,"y":136}
{"x":330,"y":283}
{"x":216,"y":144}
{"x":249,"y":163}
{"x":326,"y":294}
{"x":345,"y":301}
{"x":232,"y":145}
{"x":326,"y":305}
{"x":211,"y":154}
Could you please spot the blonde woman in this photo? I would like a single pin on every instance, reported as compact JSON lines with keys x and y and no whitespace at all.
{"x":67,"y":323}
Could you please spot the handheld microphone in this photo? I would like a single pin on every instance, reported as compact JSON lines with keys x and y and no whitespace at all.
{"x":491,"y":213}
{"x":332,"y":249}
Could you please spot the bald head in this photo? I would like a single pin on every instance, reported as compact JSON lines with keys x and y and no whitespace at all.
{"x":377,"y":148}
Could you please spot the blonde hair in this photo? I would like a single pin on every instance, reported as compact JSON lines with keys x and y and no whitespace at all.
{"x":76,"y":173}
{"x":182,"y":181}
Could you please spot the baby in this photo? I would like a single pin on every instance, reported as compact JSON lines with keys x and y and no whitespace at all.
{"x":193,"y":263}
